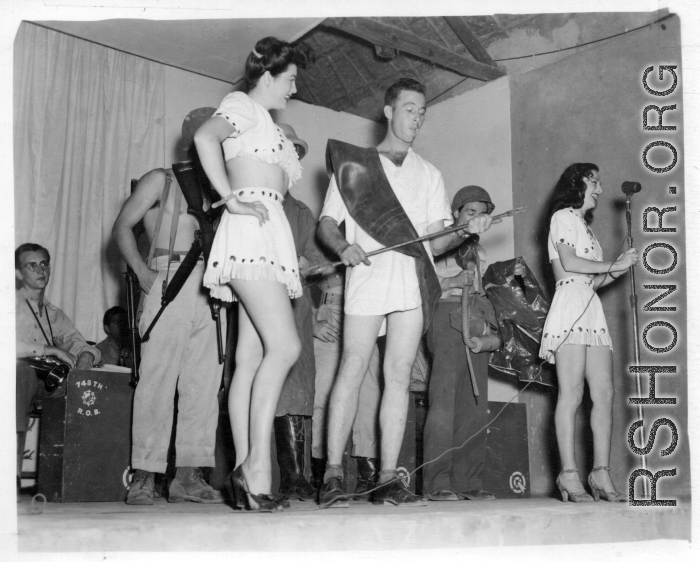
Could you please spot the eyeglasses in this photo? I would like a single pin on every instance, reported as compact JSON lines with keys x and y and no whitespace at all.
{"x":34,"y":267}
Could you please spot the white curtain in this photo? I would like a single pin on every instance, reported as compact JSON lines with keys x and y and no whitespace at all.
{"x":87,"y":119}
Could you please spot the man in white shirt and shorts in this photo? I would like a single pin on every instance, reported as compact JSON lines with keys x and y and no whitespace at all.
{"x":384,"y":296}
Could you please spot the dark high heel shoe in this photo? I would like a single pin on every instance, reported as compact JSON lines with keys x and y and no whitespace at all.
{"x":243,"y":498}
{"x":576,"y":497}
{"x":234,"y":493}
{"x":613,"y":497}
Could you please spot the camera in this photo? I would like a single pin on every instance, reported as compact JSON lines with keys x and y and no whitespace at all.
{"x":50,"y":369}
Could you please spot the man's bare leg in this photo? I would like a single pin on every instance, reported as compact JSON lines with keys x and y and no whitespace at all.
{"x":359,"y":338}
{"x":404,"y":331}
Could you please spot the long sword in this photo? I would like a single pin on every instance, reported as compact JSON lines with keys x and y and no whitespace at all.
{"x":327,"y":268}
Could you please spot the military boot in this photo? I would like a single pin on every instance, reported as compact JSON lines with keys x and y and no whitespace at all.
{"x":367,"y":476}
{"x":188,"y":485}
{"x":290,"y":440}
{"x":318,"y":468}
{"x":141,"y":489}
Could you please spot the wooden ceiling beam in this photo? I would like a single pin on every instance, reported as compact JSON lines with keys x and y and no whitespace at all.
{"x":461,"y":28}
{"x":385,"y":35}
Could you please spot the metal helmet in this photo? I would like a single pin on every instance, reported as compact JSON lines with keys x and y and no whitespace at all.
{"x":193,"y":121}
{"x":472,"y":193}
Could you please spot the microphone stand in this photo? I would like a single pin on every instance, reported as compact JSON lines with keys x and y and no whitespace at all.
{"x":635,"y":323}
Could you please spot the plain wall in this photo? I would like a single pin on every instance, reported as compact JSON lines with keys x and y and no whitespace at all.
{"x":588,"y":108}
{"x":183,"y":92}
{"x":468,"y":139}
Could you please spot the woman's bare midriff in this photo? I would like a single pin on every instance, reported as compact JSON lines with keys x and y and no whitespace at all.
{"x":560,"y":273}
{"x":249,"y":173}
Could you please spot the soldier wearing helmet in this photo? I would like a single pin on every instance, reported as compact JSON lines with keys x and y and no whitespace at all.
{"x":455,"y":416}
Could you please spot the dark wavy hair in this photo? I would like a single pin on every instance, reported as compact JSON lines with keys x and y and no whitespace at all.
{"x":570,"y":190}
{"x":29,"y":247}
{"x":275,"y":57}
{"x":394,"y":91}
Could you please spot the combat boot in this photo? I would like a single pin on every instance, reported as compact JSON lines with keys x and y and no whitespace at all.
{"x":141,"y":489}
{"x":290,"y":440}
{"x":367,"y":476}
{"x":188,"y":485}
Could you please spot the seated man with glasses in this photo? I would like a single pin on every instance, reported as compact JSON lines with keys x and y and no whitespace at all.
{"x":41,"y":329}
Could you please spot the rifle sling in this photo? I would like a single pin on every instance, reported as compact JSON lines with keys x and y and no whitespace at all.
{"x":159,"y":219}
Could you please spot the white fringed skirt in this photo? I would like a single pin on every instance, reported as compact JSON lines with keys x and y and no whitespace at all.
{"x":575,"y":318}
{"x":245,"y":250}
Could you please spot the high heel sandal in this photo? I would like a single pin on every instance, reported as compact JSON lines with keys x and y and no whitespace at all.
{"x":613,"y":497}
{"x":244,"y":499}
{"x":576,"y":497}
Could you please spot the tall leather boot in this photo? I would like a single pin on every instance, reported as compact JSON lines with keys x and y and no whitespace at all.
{"x":367,"y":476}
{"x":318,"y":468}
{"x":289,"y":438}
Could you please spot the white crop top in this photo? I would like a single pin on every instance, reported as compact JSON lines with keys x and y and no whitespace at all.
{"x":566,"y":227}
{"x":255,"y":136}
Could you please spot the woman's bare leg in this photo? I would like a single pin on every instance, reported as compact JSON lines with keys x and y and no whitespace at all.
{"x":268,"y":307}
{"x":249,"y":355}
{"x":571,"y":366}
{"x":599,"y":374}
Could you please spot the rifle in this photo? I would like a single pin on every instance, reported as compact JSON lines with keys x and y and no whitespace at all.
{"x":193,"y":182}
{"x":189,"y":180}
{"x":131,"y":304}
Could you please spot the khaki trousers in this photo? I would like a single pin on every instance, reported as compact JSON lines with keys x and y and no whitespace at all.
{"x":181,"y":354}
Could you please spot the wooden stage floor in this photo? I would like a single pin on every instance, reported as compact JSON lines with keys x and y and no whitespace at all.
{"x":115,"y":527}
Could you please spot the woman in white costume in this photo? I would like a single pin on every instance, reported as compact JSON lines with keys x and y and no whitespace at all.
{"x":253,"y":259}
{"x":575,"y":335}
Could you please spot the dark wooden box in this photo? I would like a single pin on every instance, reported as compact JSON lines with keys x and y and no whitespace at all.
{"x":85,"y":439}
{"x":507,"y":470}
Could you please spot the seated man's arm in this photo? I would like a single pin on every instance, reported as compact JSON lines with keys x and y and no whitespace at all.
{"x":26,"y":349}
{"x":143,"y":198}
{"x":69,"y":339}
{"x":29,"y":343}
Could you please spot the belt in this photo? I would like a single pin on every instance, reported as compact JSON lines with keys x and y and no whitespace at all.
{"x":331,"y":281}
{"x":331,"y":298}
{"x":575,"y":279}
{"x":176,"y":257}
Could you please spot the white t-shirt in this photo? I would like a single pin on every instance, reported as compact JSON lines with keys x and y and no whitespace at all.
{"x":390,"y":284}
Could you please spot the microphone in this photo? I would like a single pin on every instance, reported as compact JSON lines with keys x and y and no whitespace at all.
{"x":629,"y":188}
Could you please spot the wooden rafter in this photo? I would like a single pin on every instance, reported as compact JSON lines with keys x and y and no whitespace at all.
{"x":385,"y":35}
{"x":461,"y":28}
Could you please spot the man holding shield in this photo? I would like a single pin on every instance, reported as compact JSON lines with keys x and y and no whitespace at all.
{"x":384,"y":196}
